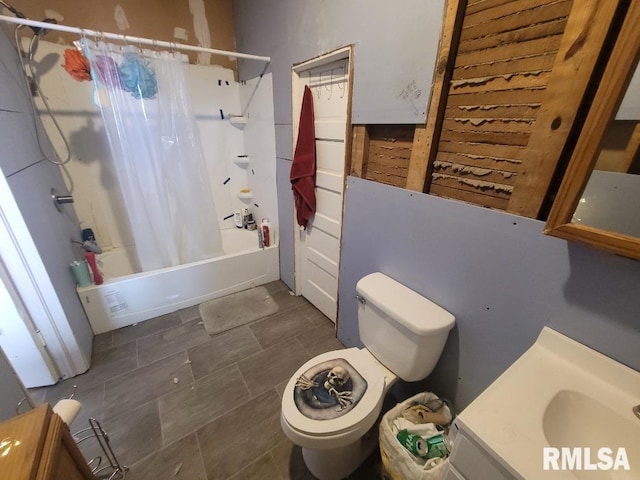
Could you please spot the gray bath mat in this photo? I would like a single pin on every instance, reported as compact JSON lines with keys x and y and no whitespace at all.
{"x":237,"y":309}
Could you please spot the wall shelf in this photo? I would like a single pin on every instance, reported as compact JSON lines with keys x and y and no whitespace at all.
{"x":241,"y":161}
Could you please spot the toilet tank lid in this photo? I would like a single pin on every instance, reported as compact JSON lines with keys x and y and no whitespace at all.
{"x":409,"y":308}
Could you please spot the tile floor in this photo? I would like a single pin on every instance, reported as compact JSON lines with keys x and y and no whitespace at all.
{"x":182,"y":405}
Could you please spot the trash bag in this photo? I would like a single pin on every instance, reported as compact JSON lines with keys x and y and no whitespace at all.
{"x":398,"y":462}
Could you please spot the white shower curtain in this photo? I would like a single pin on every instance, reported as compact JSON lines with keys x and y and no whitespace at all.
{"x":144,"y":100}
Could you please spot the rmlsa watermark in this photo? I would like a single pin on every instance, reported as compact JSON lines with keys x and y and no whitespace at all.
{"x":584,"y":458}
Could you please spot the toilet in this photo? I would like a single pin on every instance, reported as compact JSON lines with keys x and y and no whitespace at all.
{"x":332,"y":401}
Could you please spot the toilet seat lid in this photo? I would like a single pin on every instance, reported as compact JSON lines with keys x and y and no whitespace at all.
{"x":358,"y":365}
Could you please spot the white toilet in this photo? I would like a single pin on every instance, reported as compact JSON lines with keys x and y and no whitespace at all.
{"x":334,"y":399}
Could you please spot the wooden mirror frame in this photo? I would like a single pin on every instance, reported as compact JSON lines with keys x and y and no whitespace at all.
{"x":615,"y":80}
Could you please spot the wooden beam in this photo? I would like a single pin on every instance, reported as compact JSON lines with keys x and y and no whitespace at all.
{"x":417,"y":172}
{"x":632,"y":148}
{"x":359,"y":151}
{"x":586,"y":31}
{"x":427,"y":137}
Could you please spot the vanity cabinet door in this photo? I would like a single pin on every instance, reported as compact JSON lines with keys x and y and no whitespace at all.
{"x":473,"y":463}
{"x":452,"y":474}
{"x":61,"y":459}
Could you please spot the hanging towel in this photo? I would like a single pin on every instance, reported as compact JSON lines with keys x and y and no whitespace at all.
{"x":76,"y":65}
{"x":303,"y":168}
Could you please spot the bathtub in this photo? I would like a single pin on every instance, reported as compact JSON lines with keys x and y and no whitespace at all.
{"x":126,"y":298}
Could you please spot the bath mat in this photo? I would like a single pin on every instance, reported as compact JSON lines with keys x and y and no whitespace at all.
{"x":237,"y":309}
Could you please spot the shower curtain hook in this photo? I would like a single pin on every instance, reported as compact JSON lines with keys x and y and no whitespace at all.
{"x":330,"y":86}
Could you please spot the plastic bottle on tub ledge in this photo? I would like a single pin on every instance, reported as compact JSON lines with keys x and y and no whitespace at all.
{"x":267,"y":234}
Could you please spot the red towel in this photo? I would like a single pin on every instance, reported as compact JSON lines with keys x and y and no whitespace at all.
{"x":303,"y":167}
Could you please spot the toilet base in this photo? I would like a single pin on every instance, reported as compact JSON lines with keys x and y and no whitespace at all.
{"x":338,"y":463}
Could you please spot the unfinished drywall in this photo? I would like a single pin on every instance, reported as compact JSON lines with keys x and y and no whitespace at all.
{"x":206,"y":23}
{"x":394,"y":57}
{"x":497,"y":273}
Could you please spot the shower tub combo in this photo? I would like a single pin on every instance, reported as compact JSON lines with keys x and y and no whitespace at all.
{"x":126,"y":298}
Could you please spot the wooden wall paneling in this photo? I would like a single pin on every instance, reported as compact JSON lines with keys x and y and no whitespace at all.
{"x":426,"y":137}
{"x":534,"y":63}
{"x":506,"y":58}
{"x":531,"y":13}
{"x":584,"y":37}
{"x":474,"y":6}
{"x":469,"y":195}
{"x":359,"y":151}
{"x":389,"y":153}
{"x":542,"y":30}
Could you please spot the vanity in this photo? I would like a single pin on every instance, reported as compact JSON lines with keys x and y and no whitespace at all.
{"x":559,"y":393}
{"x":37,"y":445}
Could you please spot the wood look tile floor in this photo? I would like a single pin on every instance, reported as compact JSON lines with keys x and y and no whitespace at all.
{"x":179,"y":404}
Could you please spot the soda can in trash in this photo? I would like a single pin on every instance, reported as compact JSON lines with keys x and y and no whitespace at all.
{"x":437,"y":446}
{"x":412,"y":442}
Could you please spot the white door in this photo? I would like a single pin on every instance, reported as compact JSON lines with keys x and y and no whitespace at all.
{"x":19,"y":339}
{"x":34,"y":331}
{"x":318,"y":247}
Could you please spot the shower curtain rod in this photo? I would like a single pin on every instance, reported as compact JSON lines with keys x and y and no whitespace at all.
{"x":127,"y":38}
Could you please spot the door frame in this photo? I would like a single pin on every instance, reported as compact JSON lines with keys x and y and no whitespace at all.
{"x":32,"y":283}
{"x":297,"y":89}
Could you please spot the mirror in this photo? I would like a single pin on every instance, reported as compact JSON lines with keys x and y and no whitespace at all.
{"x":599,"y":199}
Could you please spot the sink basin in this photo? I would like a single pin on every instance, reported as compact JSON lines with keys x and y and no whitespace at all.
{"x":560,"y":394}
{"x":574,"y":419}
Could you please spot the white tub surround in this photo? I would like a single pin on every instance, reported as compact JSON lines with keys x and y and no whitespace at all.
{"x":133,"y":297}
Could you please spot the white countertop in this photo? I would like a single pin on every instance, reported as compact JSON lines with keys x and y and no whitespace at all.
{"x":531,"y":405}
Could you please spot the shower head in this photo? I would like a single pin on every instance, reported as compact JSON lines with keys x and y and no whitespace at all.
{"x":37,"y":33}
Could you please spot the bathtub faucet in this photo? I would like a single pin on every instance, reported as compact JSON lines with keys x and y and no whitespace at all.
{"x":89,"y":246}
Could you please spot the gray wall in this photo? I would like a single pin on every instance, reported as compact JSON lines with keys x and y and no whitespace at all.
{"x":389,"y":85}
{"x":497,"y":273}
{"x":31,"y":177}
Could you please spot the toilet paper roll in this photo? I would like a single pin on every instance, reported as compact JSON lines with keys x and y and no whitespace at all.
{"x":80,"y":271}
{"x":68,"y":410}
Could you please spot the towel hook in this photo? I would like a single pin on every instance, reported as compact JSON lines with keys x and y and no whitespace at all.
{"x":341,"y":82}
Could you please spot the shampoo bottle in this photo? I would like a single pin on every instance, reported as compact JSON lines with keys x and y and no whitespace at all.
{"x":90,"y":257}
{"x":265,"y":226}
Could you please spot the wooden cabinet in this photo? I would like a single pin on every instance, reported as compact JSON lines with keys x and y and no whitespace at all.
{"x":37,"y":445}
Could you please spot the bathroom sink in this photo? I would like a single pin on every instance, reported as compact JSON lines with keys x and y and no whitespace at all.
{"x":573,"y":418}
{"x":559,"y":395}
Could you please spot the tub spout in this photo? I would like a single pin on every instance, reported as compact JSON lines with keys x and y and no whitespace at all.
{"x":89,"y":246}
{"x":636,"y":411}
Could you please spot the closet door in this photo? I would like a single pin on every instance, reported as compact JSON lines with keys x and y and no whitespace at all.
{"x":318,"y":247}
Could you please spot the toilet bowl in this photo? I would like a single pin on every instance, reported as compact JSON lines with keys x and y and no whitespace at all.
{"x":335,"y":425}
{"x":331,"y":403}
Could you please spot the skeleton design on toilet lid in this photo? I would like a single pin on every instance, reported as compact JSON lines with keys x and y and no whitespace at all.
{"x":328,"y":390}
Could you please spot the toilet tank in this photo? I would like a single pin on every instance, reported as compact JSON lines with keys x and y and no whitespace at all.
{"x":405,"y":331}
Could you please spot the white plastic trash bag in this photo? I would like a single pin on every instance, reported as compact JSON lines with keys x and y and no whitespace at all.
{"x":399,"y":463}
